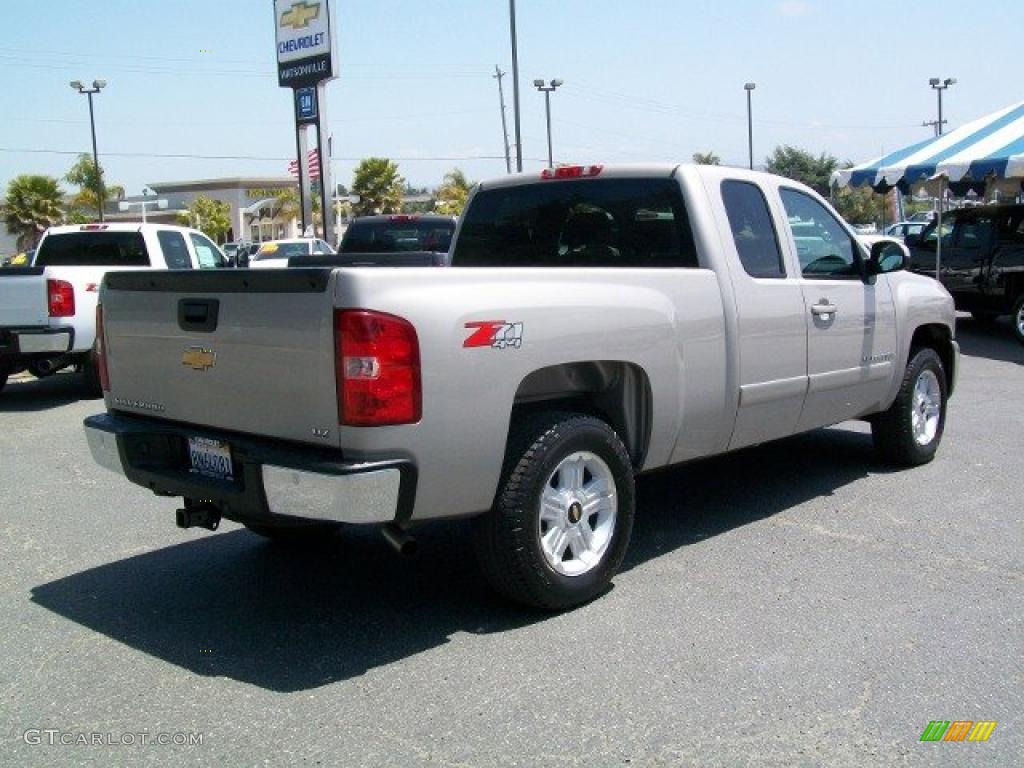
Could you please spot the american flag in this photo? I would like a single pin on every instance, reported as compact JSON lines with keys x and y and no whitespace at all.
{"x":314,"y":165}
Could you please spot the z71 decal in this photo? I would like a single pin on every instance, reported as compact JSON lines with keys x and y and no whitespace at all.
{"x":497,"y":334}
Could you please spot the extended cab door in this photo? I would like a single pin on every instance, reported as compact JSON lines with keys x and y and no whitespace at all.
{"x":771,"y":330}
{"x":851,"y":324}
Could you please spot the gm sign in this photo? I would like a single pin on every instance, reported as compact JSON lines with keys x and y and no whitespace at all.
{"x":305,"y":42}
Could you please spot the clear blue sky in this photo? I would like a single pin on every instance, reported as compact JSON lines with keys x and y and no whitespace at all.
{"x":649,"y":80}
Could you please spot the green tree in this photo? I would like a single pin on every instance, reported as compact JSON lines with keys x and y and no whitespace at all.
{"x":802,"y":166}
{"x":83,"y":175}
{"x":33,"y":204}
{"x":377,"y":182}
{"x":706,"y":158}
{"x":451,"y":195}
{"x":210,"y":216}
{"x":858,"y":205}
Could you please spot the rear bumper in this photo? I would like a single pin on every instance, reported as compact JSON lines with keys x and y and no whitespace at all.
{"x":35,"y":341}
{"x":272,"y":482}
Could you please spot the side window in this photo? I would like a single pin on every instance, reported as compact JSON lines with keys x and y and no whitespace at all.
{"x":824,"y":248}
{"x":207,"y":254}
{"x":752,"y":229}
{"x":174,"y":248}
{"x":974,"y":233}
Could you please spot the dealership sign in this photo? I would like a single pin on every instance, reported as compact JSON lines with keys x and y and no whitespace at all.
{"x":305,"y":42}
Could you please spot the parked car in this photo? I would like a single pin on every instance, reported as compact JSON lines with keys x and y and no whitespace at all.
{"x":595,"y":323}
{"x":982,"y":260}
{"x":399,"y":233}
{"x":903,"y":228}
{"x":48,"y":309}
{"x":274,"y":254}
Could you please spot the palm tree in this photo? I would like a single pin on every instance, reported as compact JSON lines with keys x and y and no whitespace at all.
{"x":377,"y":182}
{"x":83,"y":175}
{"x":33,"y":204}
{"x":453,"y":192}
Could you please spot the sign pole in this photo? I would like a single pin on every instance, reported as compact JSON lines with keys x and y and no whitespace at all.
{"x":306,"y":35}
{"x":326,"y":187}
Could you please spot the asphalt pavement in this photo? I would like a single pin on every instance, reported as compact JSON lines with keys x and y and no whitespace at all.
{"x":793,"y":604}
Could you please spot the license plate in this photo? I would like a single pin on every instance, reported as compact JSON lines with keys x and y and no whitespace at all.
{"x":210,"y":458}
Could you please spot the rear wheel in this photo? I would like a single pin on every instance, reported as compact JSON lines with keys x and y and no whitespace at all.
{"x":909,"y":432}
{"x":562,"y":519}
{"x":1018,"y":318}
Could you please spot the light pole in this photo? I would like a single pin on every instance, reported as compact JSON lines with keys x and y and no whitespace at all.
{"x":546,"y":90}
{"x":97,"y":86}
{"x":748,"y":87}
{"x":515,"y":84}
{"x":940,"y":86}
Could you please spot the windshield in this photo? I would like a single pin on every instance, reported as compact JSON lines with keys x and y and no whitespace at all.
{"x":401,"y":234}
{"x":281,"y":251}
{"x":93,"y":249}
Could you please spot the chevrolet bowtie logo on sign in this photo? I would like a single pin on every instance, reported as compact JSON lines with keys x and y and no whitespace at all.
{"x":199,"y":358}
{"x":300,"y":14}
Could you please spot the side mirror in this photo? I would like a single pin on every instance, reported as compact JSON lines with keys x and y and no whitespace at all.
{"x":888,"y":256}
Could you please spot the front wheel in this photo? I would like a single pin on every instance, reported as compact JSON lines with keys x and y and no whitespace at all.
{"x":563,"y":515}
{"x":909,"y":432}
{"x":1018,"y":319}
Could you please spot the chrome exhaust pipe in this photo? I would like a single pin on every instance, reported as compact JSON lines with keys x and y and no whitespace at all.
{"x":398,"y":537}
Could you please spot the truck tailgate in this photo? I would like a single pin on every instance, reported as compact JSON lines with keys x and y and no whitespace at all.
{"x":23,"y":297}
{"x":238,"y":350}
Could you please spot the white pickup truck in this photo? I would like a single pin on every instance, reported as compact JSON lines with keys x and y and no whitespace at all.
{"x":595,"y":323}
{"x":48,"y":309}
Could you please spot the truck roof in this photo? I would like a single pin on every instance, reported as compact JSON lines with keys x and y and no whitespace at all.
{"x":115,"y":226}
{"x":620,"y":171}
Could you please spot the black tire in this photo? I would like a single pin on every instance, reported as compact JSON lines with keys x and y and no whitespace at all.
{"x":984,"y":318}
{"x":91,"y":374}
{"x":1018,"y":319}
{"x":295,"y":535}
{"x":893,"y":430}
{"x":508,"y":538}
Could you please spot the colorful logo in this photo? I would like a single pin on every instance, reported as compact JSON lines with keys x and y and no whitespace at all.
{"x":199,"y":358}
{"x":958,"y":730}
{"x":300,"y":14}
{"x":497,"y":334}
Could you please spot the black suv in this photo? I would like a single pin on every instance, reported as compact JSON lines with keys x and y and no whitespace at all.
{"x":982,"y":260}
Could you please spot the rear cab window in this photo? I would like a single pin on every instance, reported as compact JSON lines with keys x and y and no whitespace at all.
{"x":400,"y":234}
{"x":93,"y":248}
{"x":620,"y":222}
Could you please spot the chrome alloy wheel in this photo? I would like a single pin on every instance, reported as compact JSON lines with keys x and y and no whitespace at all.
{"x":1019,"y":320}
{"x":578,"y":506}
{"x":927,"y":407}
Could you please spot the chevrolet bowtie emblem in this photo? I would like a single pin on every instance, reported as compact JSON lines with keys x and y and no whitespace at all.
{"x":300,"y":14}
{"x":199,"y":358}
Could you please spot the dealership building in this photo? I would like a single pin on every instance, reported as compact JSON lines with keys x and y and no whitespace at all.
{"x":254,"y":213}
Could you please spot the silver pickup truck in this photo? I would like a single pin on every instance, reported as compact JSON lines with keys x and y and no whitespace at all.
{"x":595,"y":323}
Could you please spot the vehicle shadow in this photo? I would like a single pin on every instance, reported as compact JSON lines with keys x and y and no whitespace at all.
{"x":25,"y":394}
{"x":286,"y":620}
{"x":994,"y":341}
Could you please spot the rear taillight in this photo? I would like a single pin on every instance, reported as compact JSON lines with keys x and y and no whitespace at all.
{"x":377,"y":361}
{"x":101,"y":350}
{"x":60,"y":296}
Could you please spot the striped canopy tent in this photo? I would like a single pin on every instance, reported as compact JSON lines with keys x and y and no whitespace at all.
{"x":985,"y":151}
{"x":984,"y":154}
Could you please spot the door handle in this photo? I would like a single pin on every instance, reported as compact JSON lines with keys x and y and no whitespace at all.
{"x":824,"y":310}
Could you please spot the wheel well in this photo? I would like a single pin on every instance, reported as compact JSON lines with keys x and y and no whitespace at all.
{"x":939,"y":338}
{"x":616,"y":392}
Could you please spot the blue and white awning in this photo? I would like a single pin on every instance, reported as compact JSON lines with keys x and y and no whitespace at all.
{"x":991,"y":147}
